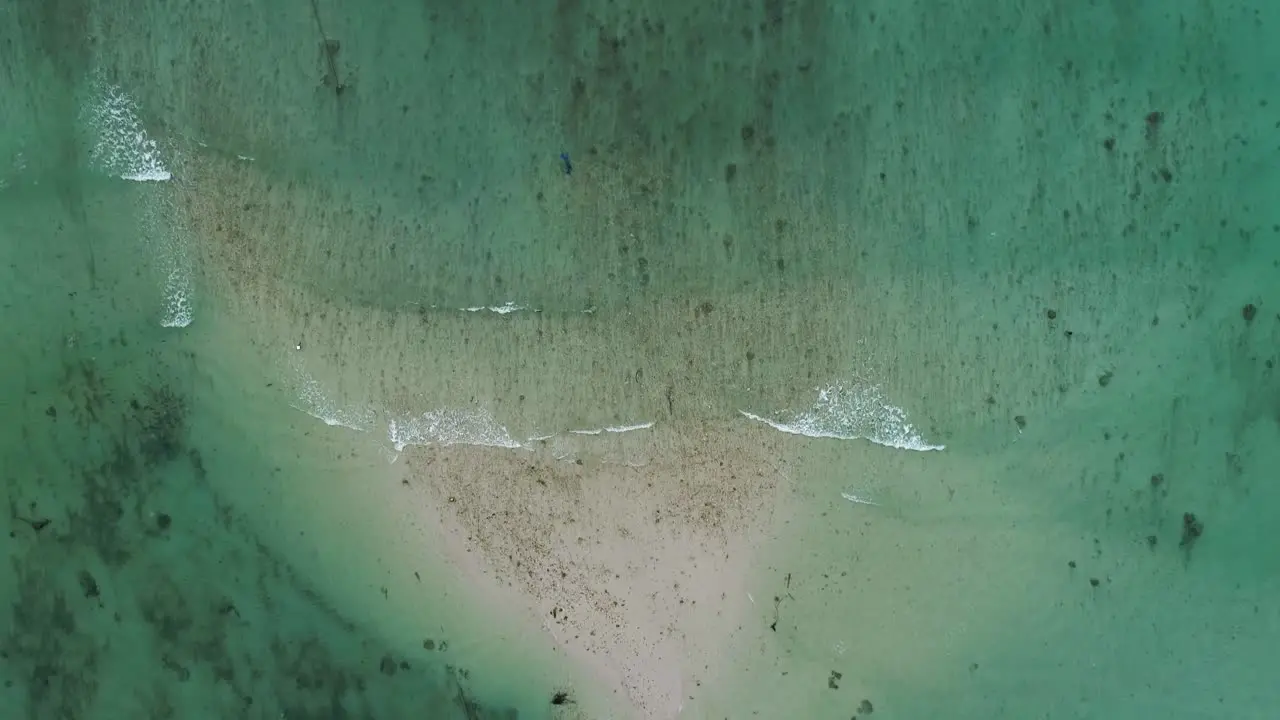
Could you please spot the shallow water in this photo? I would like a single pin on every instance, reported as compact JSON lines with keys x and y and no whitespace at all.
{"x":1004,"y":279}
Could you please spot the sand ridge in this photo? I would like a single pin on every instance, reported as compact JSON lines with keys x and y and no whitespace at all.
{"x":635,"y":568}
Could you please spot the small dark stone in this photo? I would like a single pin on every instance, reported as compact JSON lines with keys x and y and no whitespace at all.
{"x":730,"y":172}
{"x":428,"y":644}
{"x":163,"y":521}
{"x":88,"y":584}
{"x":51,"y":412}
{"x":1109,"y":144}
{"x":833,"y":680}
{"x":1020,"y":420}
{"x":1051,"y":314}
{"x":1154,"y":118}
{"x":561,"y":697}
{"x":1157,"y":479}
{"x":1105,"y":379}
{"x":1151,"y":541}
{"x":387,"y":666}
{"x":1192,"y":528}
{"x":1248,"y":312}
{"x":1095,"y":582}
{"x":866,"y":708}
{"x":1071,"y":564}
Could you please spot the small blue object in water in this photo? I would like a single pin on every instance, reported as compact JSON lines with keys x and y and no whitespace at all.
{"x":568,"y":166}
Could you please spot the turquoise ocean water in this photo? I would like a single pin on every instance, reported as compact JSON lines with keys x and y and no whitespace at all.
{"x":1000,"y":283}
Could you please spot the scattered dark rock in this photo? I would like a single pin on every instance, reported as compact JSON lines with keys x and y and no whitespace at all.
{"x":865,"y":707}
{"x":1151,"y":541}
{"x":51,"y":412}
{"x":388,"y":665}
{"x":561,"y":697}
{"x":88,"y":585}
{"x":1105,"y":379}
{"x":428,"y":644}
{"x":1020,"y":420}
{"x":37,"y":525}
{"x":1154,"y":119}
{"x":1192,"y":529}
{"x":1071,"y":564}
{"x":163,"y":521}
{"x":1248,"y":312}
{"x":833,"y":680}
{"x":1157,"y":480}
{"x":1109,"y":144}
{"x":1095,"y":582}
{"x":1051,"y":314}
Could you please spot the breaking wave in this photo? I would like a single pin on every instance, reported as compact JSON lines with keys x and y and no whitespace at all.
{"x":850,"y":413}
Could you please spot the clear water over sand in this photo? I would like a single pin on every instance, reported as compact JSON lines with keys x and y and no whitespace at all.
{"x":910,"y":359}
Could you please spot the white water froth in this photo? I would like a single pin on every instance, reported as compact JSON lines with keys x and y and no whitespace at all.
{"x":122,"y":148}
{"x":465,"y":426}
{"x":450,"y":427}
{"x":610,"y":429}
{"x":177,"y":294}
{"x":316,"y":404}
{"x":851,"y":413}
{"x":506,"y":308}
{"x":503,"y":309}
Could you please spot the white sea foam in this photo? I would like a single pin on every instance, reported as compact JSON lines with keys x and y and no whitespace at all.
{"x":177,"y":292}
{"x":450,"y":427}
{"x":851,"y":413}
{"x":169,"y":246}
{"x":858,"y":499}
{"x":122,"y":147}
{"x":503,"y":309}
{"x":613,"y":429}
{"x":316,"y":403}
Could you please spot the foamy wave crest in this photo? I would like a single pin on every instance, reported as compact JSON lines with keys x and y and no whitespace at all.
{"x":611,"y":429}
{"x":317,"y":404}
{"x":450,"y":427}
{"x":170,"y":248}
{"x":504,"y":309}
{"x":851,"y":413}
{"x":177,"y":295}
{"x":122,"y":147}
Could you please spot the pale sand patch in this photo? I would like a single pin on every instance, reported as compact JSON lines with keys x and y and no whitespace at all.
{"x":634,"y":561}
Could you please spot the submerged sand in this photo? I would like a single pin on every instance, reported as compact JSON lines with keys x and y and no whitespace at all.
{"x":707,"y":564}
{"x":626,"y":546}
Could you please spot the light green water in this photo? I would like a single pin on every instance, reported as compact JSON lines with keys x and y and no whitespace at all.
{"x":964,"y":206}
